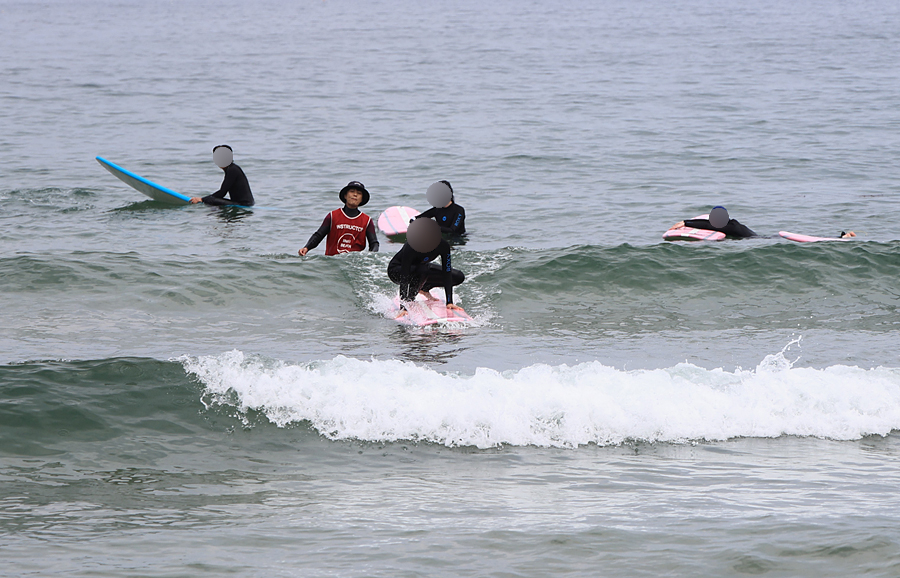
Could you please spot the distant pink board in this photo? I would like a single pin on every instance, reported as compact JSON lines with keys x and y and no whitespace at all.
{"x":807,"y":238}
{"x":395,"y":220}
{"x":422,"y":313}
{"x":688,"y":234}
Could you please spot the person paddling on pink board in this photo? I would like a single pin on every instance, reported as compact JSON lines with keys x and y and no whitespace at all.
{"x":235,"y":183}
{"x":718,"y":220}
{"x":347,"y":228}
{"x":412,"y":268}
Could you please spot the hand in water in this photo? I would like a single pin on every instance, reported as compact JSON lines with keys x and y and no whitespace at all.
{"x":195,"y":200}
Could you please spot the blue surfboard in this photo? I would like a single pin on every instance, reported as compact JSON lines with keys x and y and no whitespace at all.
{"x":146,"y":186}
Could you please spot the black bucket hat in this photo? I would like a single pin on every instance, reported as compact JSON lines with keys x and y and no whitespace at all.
{"x":359,"y":187}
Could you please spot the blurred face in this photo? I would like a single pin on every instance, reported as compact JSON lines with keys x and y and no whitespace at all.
{"x":223,"y":157}
{"x":353,"y":198}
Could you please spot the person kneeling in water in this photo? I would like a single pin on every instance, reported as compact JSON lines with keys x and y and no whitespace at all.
{"x":412,"y":266}
{"x":235,"y":182}
{"x":718,"y":221}
{"x":347,"y":228}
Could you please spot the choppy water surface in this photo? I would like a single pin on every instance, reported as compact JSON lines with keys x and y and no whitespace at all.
{"x":182,"y":395}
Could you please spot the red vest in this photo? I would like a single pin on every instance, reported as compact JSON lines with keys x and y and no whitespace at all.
{"x":346,"y":234}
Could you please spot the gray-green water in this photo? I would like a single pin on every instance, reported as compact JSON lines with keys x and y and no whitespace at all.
{"x":182,"y":395}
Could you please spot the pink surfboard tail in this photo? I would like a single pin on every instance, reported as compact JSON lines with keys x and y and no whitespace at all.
{"x":395,"y":220}
{"x":808,"y":238}
{"x":422,"y":313}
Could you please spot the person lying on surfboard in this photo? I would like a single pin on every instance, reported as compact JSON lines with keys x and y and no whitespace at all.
{"x":718,"y":221}
{"x":347,"y":228}
{"x":235,"y":182}
{"x":847,"y":234}
{"x":412,"y":266}
{"x":444,"y":210}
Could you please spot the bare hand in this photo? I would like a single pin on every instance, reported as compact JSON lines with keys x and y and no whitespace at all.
{"x":677,"y":225}
{"x":195,"y":200}
{"x":302,"y":252}
{"x":453,"y":306}
{"x":403,"y":313}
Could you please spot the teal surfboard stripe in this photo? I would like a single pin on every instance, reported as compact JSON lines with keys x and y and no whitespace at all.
{"x":119,"y":172}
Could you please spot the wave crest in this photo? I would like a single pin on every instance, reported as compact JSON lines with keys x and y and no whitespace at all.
{"x":554,"y":406}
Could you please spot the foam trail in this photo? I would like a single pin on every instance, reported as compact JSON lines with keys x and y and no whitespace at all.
{"x":557,"y":406}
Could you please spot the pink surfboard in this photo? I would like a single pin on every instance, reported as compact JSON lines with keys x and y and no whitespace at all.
{"x":395,"y":220}
{"x":422,"y":312}
{"x":689,"y":234}
{"x":808,"y":238}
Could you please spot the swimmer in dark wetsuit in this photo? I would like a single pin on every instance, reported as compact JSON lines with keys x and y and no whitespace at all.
{"x":450,"y":216}
{"x":235,"y":182}
{"x":718,"y":221}
{"x":412,"y":266}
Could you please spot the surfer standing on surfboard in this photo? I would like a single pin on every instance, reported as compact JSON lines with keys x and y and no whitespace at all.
{"x":718,"y":221}
{"x":235,"y":182}
{"x":449,"y":216}
{"x":412,"y":266}
{"x":347,"y":228}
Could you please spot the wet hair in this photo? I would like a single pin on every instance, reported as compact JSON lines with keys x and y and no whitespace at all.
{"x":452,"y":200}
{"x":220,"y":146}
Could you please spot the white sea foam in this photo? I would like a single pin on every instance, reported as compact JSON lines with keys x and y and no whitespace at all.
{"x":561,"y":406}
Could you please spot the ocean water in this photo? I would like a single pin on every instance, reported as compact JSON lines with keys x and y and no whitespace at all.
{"x":181,"y":394}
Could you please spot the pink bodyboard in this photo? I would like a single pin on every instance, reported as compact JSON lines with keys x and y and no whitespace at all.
{"x":689,"y":234}
{"x":808,"y":238}
{"x":422,"y":313}
{"x":395,"y":220}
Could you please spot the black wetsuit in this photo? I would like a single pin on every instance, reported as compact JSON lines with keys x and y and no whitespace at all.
{"x":731,"y":229}
{"x":323,"y":230}
{"x":452,"y":219}
{"x":236,"y":183}
{"x":415,"y":272}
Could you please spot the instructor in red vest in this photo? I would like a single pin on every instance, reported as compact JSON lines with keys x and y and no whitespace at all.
{"x":347,"y":228}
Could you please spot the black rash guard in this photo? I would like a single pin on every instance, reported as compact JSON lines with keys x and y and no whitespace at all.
{"x":414,"y":272}
{"x":452,"y":219}
{"x":325,"y":227}
{"x":732,"y":228}
{"x":235,"y":182}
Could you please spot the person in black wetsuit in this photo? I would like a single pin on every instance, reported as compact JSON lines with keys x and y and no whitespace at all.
{"x":412,"y":268}
{"x":450,"y":216}
{"x":235,"y":182}
{"x":718,"y":221}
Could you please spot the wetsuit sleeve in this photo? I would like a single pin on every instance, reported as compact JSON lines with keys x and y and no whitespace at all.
{"x":458,"y":227}
{"x":448,"y":272}
{"x":430,"y":213}
{"x":371,"y":237}
{"x":699,"y":224}
{"x":227,"y":183}
{"x":406,"y":277}
{"x":320,"y":233}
